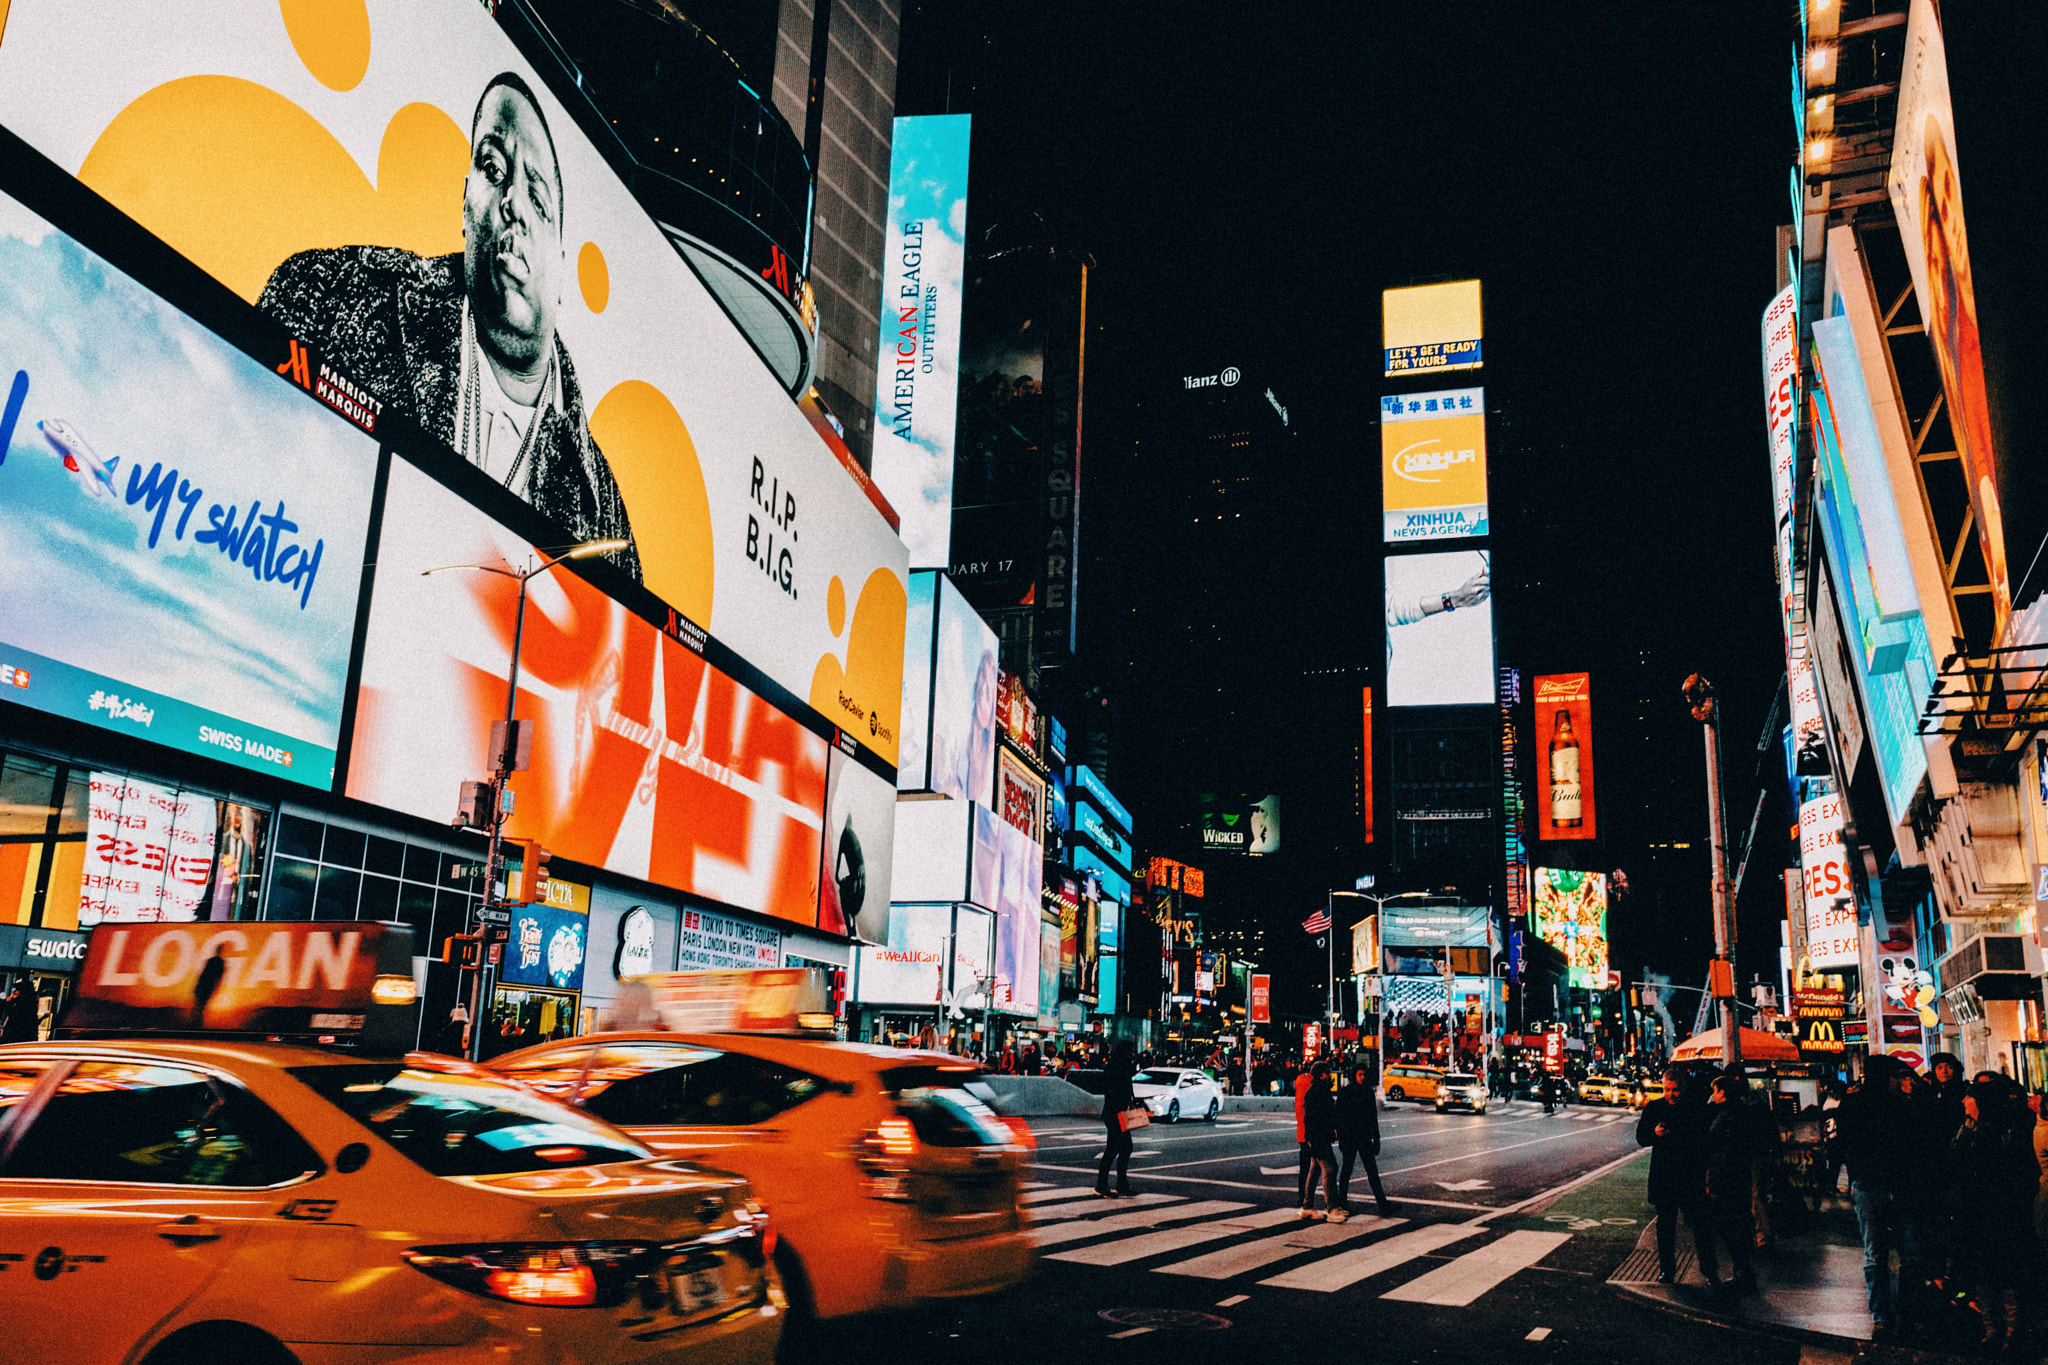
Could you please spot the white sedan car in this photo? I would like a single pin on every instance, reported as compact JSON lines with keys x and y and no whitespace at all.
{"x":1170,"y":1093}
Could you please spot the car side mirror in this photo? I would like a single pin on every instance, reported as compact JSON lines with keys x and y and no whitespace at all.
{"x":352,"y":1158}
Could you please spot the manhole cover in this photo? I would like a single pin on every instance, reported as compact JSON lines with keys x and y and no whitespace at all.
{"x":1164,"y":1317}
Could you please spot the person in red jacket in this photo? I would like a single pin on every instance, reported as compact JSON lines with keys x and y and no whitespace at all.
{"x":1301,"y":1085}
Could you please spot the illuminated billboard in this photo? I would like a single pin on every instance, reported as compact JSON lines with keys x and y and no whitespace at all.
{"x":452,"y":255}
{"x":1569,"y":913}
{"x":859,"y":849}
{"x":1925,"y":185}
{"x":906,"y":966}
{"x":181,"y":531}
{"x":1365,"y":792}
{"x":1564,"y":774}
{"x":964,"y":686}
{"x":1883,"y":629}
{"x":648,"y":761}
{"x":1440,"y":629}
{"x":1084,"y":782}
{"x":1431,"y":327}
{"x":917,"y":363}
{"x":920,"y":627}
{"x":1781,"y":415}
{"x":1240,"y":824}
{"x":1009,"y":878}
{"x":1831,"y":933}
{"x":1020,"y":794}
{"x":1433,"y":465}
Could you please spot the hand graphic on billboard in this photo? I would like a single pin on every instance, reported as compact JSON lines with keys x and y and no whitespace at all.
{"x":1473,"y":591}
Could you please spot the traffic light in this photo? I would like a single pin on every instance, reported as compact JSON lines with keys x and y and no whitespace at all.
{"x":536,"y":879}
{"x":463,"y":950}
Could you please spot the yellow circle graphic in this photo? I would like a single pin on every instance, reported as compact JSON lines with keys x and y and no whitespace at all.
{"x":835,"y":605}
{"x":594,"y":276}
{"x":332,"y":37}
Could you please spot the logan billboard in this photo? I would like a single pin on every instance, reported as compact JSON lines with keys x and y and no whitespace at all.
{"x":396,"y":187}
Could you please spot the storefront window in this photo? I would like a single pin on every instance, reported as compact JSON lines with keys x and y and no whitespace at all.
{"x":43,"y":809}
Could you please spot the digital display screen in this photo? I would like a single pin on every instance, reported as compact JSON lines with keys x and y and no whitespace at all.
{"x":1440,"y":629}
{"x":646,"y":761}
{"x":860,"y":849}
{"x":964,"y":687}
{"x":905,"y":969}
{"x":1433,"y":465}
{"x":1570,"y":914}
{"x":1564,"y":763}
{"x":181,"y":531}
{"x":1432,"y":327}
{"x":1009,"y":878}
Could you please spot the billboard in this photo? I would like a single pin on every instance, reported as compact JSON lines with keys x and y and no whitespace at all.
{"x":181,"y":532}
{"x":1925,"y":185}
{"x":1564,"y":777}
{"x":904,"y":966}
{"x":647,"y":760}
{"x":1365,"y":794}
{"x":1433,"y":465}
{"x":1048,"y":974}
{"x":1781,"y":415}
{"x":1240,"y":824}
{"x":1570,"y":914}
{"x":1872,"y":571}
{"x":1365,"y":945}
{"x":1009,"y":878}
{"x":1020,"y":794}
{"x":973,"y":955}
{"x":920,"y":633}
{"x":452,"y":253}
{"x":1831,"y":934}
{"x":546,"y":947}
{"x":148,"y":852}
{"x":964,"y":684}
{"x":859,"y":849}
{"x":1115,"y":884}
{"x":932,"y":841}
{"x":917,"y":363}
{"x":1440,"y":629}
{"x":1455,"y":926}
{"x":1083,"y":781}
{"x":1095,"y":827}
{"x":1431,"y":327}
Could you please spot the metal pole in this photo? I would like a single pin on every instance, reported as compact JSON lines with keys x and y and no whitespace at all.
{"x":500,"y":774}
{"x":1330,"y":961}
{"x":1724,"y":919}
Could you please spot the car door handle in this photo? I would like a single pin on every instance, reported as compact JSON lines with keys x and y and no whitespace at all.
{"x":188,"y":1231}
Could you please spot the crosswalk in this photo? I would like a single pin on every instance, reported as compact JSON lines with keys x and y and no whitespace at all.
{"x":1232,"y":1240}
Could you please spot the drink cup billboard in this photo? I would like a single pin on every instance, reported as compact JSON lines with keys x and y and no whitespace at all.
{"x":1564,"y":771}
{"x":1440,"y":629}
{"x":1433,"y":464}
{"x":181,"y":531}
{"x":394,"y":185}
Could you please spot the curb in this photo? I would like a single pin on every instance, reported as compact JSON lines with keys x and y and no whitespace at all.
{"x":1861,"y":1348}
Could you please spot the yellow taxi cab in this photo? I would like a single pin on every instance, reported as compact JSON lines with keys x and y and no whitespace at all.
{"x":1598,"y":1089}
{"x":890,"y":1183}
{"x":175,"y":1187}
{"x":1412,"y":1081}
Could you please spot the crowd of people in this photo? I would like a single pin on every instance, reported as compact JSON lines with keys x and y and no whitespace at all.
{"x":1947,"y":1176}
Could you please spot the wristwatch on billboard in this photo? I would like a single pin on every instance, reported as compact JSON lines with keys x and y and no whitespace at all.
{"x":1449,"y":605}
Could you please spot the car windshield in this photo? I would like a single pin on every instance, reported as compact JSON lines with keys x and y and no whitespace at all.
{"x":451,"y":1124}
{"x":1156,"y":1078}
{"x":1461,"y":1080}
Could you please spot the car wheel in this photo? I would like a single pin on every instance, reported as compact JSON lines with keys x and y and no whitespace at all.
{"x":1173,"y":1112}
{"x":1215,"y":1108}
{"x":800,"y":1335}
{"x":1394,"y":1092}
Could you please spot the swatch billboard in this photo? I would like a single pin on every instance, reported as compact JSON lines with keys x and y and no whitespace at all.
{"x":1440,"y":629}
{"x":1432,"y":327}
{"x":1433,"y":465}
{"x":1564,"y":772}
{"x":393,"y":184}
{"x":647,"y":760}
{"x":917,"y":365}
{"x":181,"y":531}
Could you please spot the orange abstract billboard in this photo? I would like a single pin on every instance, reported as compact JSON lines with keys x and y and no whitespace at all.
{"x":648,"y":761}
{"x":1564,"y":771}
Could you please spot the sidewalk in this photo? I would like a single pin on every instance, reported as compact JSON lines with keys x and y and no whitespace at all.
{"x":1809,"y":1283}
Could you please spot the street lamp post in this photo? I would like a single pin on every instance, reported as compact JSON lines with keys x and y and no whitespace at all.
{"x":1706,"y":709}
{"x":502,"y":760}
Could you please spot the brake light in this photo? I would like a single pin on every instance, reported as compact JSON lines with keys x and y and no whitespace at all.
{"x":551,"y":1274}
{"x":1022,"y":1134}
{"x":896,"y":1137}
{"x":884,"y":1156}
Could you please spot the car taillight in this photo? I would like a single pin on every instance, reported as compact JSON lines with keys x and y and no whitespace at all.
{"x":884,"y":1156}
{"x":551,"y":1274}
{"x":1023,"y":1136}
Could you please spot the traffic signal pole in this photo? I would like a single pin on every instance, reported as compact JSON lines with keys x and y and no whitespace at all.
{"x":1706,"y":708}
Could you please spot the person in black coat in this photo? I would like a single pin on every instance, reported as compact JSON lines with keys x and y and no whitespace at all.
{"x":1994,"y":1178}
{"x":1358,"y":1137}
{"x":1886,"y":1139}
{"x":1116,"y":1098}
{"x":1675,"y":1130}
{"x":1319,"y":1131}
{"x":20,"y":1015}
{"x":1740,"y":1137}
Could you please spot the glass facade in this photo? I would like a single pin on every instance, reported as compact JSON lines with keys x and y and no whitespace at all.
{"x":331,"y":871}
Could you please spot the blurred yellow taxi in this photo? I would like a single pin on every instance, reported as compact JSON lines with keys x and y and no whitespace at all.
{"x":889,"y":1182}
{"x":168,"y":1200}
{"x":1412,"y":1081}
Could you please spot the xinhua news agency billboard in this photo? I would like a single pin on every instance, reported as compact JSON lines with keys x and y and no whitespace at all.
{"x":917,"y":364}
{"x":1433,"y":465}
{"x":1431,"y":327}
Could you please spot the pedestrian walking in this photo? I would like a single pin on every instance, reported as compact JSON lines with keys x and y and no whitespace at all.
{"x":1675,"y":1129}
{"x":1829,"y":1158}
{"x":20,"y":1014}
{"x":1358,"y":1136}
{"x":1319,"y":1133}
{"x":1943,"y":1088}
{"x":1737,"y":1145}
{"x":1995,"y":1180}
{"x":1117,"y":1102}
{"x":1886,"y":1140}
{"x":1301,"y":1082}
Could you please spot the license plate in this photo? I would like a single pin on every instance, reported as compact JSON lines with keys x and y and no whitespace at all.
{"x":699,"y":1288}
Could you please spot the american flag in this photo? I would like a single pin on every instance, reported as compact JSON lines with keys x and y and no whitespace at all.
{"x":1318,"y":923}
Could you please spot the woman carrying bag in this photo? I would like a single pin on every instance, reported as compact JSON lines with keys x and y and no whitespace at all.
{"x":1118,"y":1116}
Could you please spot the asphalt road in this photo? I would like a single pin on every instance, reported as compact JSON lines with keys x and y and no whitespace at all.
{"x":1503,"y":1234}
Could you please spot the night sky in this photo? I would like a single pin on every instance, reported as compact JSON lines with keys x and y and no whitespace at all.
{"x":1247,"y":180}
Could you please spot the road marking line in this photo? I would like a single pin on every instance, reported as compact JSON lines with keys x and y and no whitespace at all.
{"x":1241,"y":1156}
{"x":1096,"y":1204}
{"x":1557,"y":1190}
{"x":1256,"y":1255}
{"x":1267,"y":1188}
{"x":1033,"y":1184}
{"x":1041,"y":1194}
{"x":1537,"y":1334}
{"x":1121,"y":1250}
{"x":1349,"y":1267}
{"x":1456,"y":1285}
{"x":1123,"y":1222}
{"x":1233,"y":1301}
{"x":1487,"y":1151}
{"x":1133,"y":1332}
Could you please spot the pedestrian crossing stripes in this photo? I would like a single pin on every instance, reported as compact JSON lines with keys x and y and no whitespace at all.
{"x":1154,"y":1226}
{"x":1616,"y":1117}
